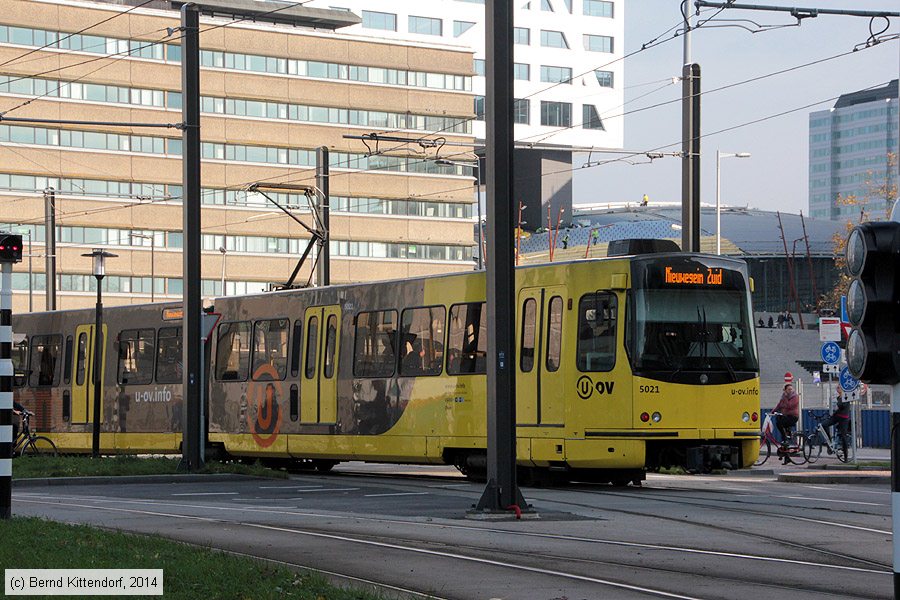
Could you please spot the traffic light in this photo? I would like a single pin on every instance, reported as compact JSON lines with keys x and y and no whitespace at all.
{"x":873,"y":302}
{"x":10,"y":247}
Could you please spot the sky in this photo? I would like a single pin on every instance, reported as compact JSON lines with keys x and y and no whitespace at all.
{"x":775,"y":176}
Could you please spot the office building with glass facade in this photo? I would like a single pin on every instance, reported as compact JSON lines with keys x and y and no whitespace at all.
{"x":271,"y":94}
{"x":849,"y":149}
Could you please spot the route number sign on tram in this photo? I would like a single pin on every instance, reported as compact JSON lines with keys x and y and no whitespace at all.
{"x":848,"y":382}
{"x":831,"y":353}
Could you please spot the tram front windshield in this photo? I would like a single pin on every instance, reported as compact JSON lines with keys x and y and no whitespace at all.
{"x":692,"y":314}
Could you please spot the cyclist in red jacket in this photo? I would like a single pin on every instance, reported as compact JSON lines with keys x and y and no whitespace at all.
{"x":789,"y":407}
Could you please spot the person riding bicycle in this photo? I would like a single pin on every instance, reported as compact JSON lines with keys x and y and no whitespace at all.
{"x":841,"y":419}
{"x":789,"y":407}
{"x":18,"y":409}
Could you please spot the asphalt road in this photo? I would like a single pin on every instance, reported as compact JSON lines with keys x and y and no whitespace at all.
{"x":703,"y":537}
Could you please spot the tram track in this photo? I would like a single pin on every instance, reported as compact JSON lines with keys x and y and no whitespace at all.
{"x":391,"y":543}
{"x":767,"y":538}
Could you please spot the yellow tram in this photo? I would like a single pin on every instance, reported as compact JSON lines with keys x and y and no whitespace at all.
{"x":623,"y":365}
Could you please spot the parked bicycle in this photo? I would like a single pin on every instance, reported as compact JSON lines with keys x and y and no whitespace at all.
{"x":28,"y":443}
{"x":791,"y":450}
{"x":819,"y":439}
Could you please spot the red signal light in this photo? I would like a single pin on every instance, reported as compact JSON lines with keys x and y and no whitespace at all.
{"x":754,"y":417}
{"x":645,"y":417}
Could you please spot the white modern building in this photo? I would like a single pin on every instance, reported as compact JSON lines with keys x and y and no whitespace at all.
{"x":568,"y":59}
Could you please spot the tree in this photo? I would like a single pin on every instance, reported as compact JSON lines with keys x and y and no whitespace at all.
{"x":877,"y":201}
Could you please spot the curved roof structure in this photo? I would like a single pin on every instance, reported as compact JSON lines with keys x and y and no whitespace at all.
{"x":745,"y":231}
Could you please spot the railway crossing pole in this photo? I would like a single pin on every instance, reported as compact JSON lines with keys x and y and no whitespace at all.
{"x":10,"y":252}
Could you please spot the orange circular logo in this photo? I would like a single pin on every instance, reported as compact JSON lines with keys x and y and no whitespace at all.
{"x":264,"y":413}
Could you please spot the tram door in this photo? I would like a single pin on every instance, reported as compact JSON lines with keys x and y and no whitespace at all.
{"x":539,"y":377}
{"x":83,"y":370}
{"x":318,"y":388}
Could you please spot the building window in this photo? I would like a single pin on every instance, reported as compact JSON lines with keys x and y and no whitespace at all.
{"x":556,"y":114}
{"x":460,"y":27}
{"x":556,"y":74}
{"x":479,"y":67}
{"x":378,"y":20}
{"x":522,"y":111}
{"x":546,"y":6}
{"x":522,"y":71}
{"x":568,"y":4}
{"x":553,"y":39}
{"x":597,"y":8}
{"x":522,"y":36}
{"x":479,"y":108}
{"x":425,"y":25}
{"x":590,"y":119}
{"x":598,"y":43}
{"x":604,"y":78}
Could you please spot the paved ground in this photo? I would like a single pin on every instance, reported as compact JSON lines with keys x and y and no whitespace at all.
{"x":742,"y":535}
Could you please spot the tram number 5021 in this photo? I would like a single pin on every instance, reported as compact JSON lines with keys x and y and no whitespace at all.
{"x":649,"y":389}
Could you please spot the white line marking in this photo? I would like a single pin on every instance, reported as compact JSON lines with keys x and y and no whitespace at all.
{"x":290,"y":487}
{"x":207,"y":494}
{"x":838,"y":501}
{"x":329,"y":490}
{"x":396,"y":494}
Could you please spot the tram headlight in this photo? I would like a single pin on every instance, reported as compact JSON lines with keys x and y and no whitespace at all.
{"x":656,"y":417}
{"x":746,"y":417}
{"x":645,"y":417}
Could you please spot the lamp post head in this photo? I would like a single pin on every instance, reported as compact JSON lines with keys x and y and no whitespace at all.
{"x":742,"y":155}
{"x":99,"y":267}
{"x":222,"y":250}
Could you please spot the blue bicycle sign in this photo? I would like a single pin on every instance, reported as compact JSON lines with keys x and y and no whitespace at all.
{"x":831,"y":353}
{"x":847,"y":381}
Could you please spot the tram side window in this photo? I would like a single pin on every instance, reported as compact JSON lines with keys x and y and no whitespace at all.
{"x":526,"y":351}
{"x":270,"y":345}
{"x":312,"y":340}
{"x":374,"y":351}
{"x":330,"y":345}
{"x":45,"y":360}
{"x":233,"y":351}
{"x":169,"y":356}
{"x":296,"y":346}
{"x":422,"y":335}
{"x":20,"y":361}
{"x":67,"y":361}
{"x":467,"y":342}
{"x":82,"y":358}
{"x":137,"y":350}
{"x":554,"y":333}
{"x":596,"y":332}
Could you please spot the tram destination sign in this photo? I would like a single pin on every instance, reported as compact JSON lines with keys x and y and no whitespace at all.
{"x":681,"y":276}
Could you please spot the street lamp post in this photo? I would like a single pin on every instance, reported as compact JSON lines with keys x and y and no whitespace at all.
{"x":152,"y":239}
{"x":27,"y":231}
{"x":719,"y":156}
{"x":223,"y":251}
{"x":99,"y":256}
{"x":475,"y":169}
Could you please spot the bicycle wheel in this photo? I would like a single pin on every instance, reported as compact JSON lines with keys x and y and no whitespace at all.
{"x":39,"y":446}
{"x":813,"y":448}
{"x":840,"y":450}
{"x":797,"y":449}
{"x":765,"y":450}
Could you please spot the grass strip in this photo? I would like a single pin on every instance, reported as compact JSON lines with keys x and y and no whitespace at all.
{"x":28,"y":467}
{"x":188,"y":572}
